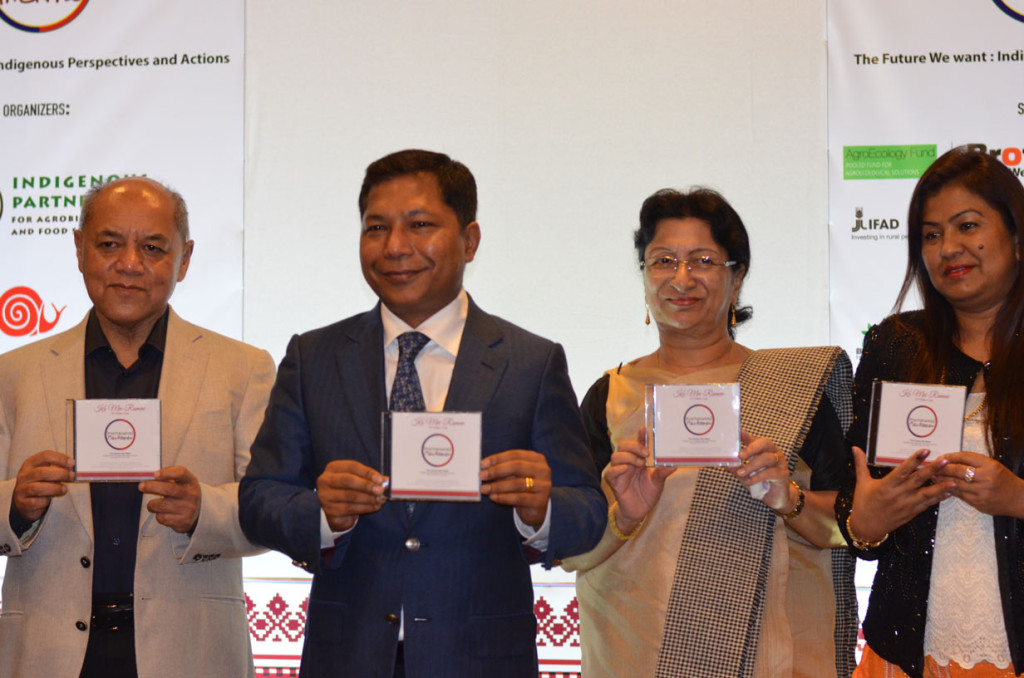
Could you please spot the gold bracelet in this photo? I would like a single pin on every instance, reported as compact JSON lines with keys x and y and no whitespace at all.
{"x":860,"y":544}
{"x":615,"y":528}
{"x":800,"y":501}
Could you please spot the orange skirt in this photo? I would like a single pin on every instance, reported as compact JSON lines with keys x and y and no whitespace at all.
{"x":873,"y":666}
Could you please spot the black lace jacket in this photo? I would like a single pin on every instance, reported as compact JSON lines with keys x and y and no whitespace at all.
{"x":897,"y":611}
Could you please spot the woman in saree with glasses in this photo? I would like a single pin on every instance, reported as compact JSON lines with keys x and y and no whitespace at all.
{"x":695,"y":576}
{"x":948,"y":596}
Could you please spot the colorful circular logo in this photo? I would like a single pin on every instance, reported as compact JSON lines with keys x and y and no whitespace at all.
{"x":41,"y":17}
{"x":699,"y":420}
{"x":922,"y":421}
{"x":1013,"y":8}
{"x":120,"y":434}
{"x":437,"y":450}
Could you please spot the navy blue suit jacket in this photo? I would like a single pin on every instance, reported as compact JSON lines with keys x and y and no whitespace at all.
{"x":466,"y":591}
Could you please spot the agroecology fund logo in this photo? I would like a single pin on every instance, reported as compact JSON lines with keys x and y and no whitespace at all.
{"x":905,"y":161}
{"x":40,"y":16}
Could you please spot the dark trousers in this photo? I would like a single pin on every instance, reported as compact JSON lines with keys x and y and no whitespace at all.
{"x":111,"y":649}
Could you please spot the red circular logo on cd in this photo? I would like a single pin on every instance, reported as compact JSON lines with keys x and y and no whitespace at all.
{"x":699,"y":420}
{"x":438,"y":450}
{"x":120,"y":434}
{"x":922,"y":421}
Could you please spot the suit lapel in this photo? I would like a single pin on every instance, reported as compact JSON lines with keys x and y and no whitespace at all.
{"x":181,"y":380}
{"x":360,"y":366}
{"x":479,"y":366}
{"x":63,"y":378}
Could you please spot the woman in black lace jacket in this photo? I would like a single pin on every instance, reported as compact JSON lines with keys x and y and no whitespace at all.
{"x":948,"y":533}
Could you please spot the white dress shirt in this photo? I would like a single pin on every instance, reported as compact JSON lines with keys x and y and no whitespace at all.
{"x":434,"y":366}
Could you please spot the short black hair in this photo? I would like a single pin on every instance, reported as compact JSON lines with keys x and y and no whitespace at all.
{"x":458,"y":187}
{"x":727,"y":229}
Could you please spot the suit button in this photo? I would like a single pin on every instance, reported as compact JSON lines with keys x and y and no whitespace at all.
{"x":412,"y":544}
{"x":85,"y":562}
{"x":392,"y":618}
{"x":81,"y":625}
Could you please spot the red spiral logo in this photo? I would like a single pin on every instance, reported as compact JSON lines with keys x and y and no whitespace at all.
{"x":21,"y":313}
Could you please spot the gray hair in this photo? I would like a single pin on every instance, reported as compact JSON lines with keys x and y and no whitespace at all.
{"x":180,"y":208}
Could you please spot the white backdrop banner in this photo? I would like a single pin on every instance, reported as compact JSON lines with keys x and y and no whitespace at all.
{"x":91,"y":91}
{"x":907,"y":81}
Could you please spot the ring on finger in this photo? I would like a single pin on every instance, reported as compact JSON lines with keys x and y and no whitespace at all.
{"x":529,"y":483}
{"x":969,"y":474}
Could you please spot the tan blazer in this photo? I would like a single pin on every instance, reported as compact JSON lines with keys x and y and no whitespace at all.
{"x":190,"y":615}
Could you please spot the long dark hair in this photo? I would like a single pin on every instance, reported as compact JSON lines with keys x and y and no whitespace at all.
{"x":990,"y":180}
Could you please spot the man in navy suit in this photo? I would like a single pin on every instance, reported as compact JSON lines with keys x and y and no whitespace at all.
{"x":443,"y":590}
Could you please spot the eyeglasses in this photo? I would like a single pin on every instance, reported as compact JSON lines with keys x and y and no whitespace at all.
{"x":664,"y":264}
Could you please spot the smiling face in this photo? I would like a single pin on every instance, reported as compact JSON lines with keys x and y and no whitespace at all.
{"x":412,"y":250}
{"x":687,"y":301}
{"x":131,"y":255}
{"x":969,"y":253}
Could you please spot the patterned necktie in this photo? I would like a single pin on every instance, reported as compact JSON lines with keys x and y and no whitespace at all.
{"x":406,"y":394}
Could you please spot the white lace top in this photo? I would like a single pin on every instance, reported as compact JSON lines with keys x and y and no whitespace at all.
{"x":965,"y":613}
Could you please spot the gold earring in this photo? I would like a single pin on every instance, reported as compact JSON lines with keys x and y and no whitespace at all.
{"x":647,"y":320}
{"x":732,"y":315}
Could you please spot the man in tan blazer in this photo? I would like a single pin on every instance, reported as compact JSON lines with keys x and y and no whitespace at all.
{"x":124,"y":579}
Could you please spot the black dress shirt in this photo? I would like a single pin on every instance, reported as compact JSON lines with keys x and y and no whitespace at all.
{"x":116,"y":506}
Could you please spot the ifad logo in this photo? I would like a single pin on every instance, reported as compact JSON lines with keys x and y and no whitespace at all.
{"x":867,"y":227}
{"x":1013,"y":8}
{"x":862,"y":224}
{"x":40,"y":16}
{"x":22,"y":313}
